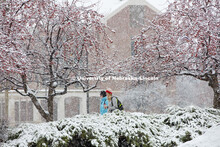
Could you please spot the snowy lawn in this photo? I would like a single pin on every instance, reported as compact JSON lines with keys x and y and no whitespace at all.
{"x":209,"y":139}
{"x":179,"y":125}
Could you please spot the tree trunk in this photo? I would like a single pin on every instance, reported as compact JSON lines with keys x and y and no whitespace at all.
{"x":34,"y":100}
{"x":213,"y":82}
{"x":42,"y":112}
{"x":87,"y":102}
{"x":50,"y":102}
{"x":50,"y":108}
{"x":216,"y":101}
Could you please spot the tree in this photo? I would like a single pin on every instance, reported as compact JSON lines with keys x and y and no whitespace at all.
{"x":60,"y":43}
{"x":182,"y":41}
{"x":12,"y":30}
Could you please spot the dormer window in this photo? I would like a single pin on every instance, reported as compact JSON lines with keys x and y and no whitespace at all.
{"x":136,"y":16}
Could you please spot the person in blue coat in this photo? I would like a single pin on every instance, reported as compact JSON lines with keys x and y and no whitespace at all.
{"x":103,"y":103}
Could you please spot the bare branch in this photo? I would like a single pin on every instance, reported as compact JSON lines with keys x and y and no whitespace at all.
{"x":22,"y":94}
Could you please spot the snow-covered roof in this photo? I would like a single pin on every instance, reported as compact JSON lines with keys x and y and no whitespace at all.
{"x":106,"y":7}
{"x":119,"y":5}
{"x":111,"y":7}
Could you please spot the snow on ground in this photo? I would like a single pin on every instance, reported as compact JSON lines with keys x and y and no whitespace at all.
{"x":211,"y":138}
{"x":179,"y":125}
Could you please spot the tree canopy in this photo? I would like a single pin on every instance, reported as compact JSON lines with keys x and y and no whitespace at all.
{"x":183,"y":41}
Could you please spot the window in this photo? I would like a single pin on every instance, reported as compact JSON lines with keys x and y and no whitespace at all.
{"x":72,"y":106}
{"x":94,"y":105}
{"x":132,"y":47}
{"x":23,"y":111}
{"x":136,"y":16}
{"x":17,"y":114}
{"x":2,"y":111}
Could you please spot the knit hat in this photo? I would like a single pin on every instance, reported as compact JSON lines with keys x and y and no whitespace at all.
{"x":109,"y":91}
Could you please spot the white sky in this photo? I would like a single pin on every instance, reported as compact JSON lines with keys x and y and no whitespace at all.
{"x":159,"y":4}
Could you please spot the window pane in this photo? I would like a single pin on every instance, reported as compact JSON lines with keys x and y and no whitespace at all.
{"x":30,"y":111}
{"x":71,"y":106}
{"x":132,"y":47}
{"x":3,"y":110}
{"x":94,"y":104}
{"x":54,"y":111}
{"x":16,"y":111}
{"x":136,"y":16}
{"x":23,"y":111}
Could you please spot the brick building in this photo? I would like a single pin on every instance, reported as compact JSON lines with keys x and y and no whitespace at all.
{"x":127,"y":18}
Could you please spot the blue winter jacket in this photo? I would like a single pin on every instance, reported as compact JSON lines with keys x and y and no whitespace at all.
{"x":104,"y":100}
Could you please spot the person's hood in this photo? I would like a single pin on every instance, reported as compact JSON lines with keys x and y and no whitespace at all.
{"x":104,"y":98}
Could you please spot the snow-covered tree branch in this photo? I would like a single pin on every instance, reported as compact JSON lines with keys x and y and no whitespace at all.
{"x":183,"y":41}
{"x":51,"y":45}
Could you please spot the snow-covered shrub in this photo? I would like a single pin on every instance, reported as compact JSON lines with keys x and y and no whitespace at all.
{"x":118,"y":129}
{"x":156,"y":96}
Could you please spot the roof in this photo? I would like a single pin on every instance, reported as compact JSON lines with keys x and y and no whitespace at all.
{"x":111,"y":7}
{"x":105,"y":7}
